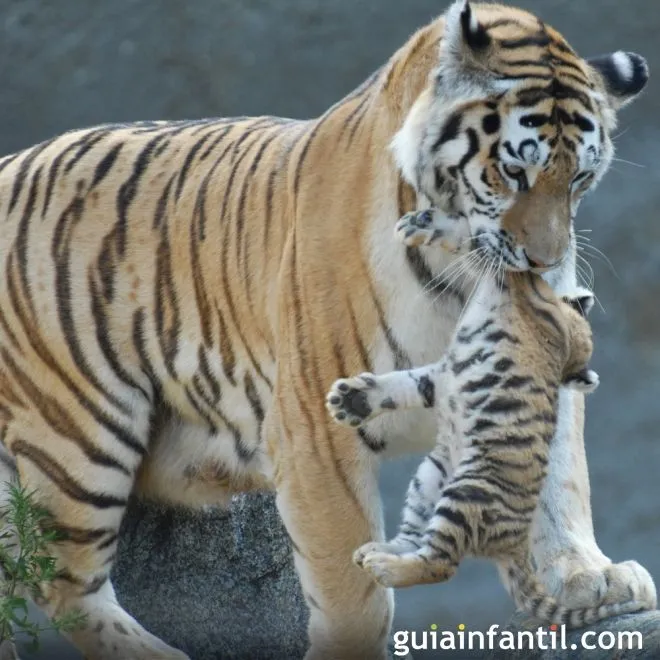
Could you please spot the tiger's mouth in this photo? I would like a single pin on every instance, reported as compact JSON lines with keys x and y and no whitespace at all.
{"x":501,"y":249}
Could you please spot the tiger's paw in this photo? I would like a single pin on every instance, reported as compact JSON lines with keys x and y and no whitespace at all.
{"x":351,"y":401}
{"x":614,"y":583}
{"x":406,"y":570}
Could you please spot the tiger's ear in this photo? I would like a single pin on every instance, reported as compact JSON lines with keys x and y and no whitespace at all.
{"x":464,"y":33}
{"x":624,"y":74}
{"x":464,"y":49}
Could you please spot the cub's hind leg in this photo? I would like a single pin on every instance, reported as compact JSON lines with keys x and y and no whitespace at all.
{"x":424,"y":492}
{"x":436,"y":557}
{"x":454,"y":528}
{"x":82,"y":472}
{"x":356,"y":400}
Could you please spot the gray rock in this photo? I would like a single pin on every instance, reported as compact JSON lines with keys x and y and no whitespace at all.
{"x":647,"y":624}
{"x":8,"y":651}
{"x":219,"y":584}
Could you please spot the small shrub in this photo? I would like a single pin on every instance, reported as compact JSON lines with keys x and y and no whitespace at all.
{"x":24,"y":538}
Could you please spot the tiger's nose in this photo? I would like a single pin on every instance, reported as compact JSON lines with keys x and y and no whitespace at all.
{"x":537,"y":264}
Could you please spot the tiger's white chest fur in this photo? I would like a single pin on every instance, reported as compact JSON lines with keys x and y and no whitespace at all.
{"x":422,"y":323}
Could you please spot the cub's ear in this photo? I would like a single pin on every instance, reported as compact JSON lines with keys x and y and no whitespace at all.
{"x":464,"y":48}
{"x":586,"y":381}
{"x":624,"y":74}
{"x":581,"y":300}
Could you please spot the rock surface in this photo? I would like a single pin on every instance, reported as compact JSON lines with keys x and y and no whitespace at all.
{"x":216,"y":585}
{"x":8,"y":651}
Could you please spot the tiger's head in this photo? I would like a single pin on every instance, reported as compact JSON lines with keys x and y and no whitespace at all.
{"x":513,"y":129}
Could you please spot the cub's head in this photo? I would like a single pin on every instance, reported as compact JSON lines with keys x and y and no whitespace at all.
{"x":513,"y":130}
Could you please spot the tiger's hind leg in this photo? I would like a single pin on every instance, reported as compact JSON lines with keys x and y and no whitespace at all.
{"x":82,"y":473}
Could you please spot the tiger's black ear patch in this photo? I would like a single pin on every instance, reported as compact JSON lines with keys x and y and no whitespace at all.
{"x":474,"y":33}
{"x":625,"y":75}
{"x":465,"y":49}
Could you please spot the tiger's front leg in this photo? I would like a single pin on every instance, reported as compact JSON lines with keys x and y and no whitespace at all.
{"x":568,"y":559}
{"x":327,"y":494}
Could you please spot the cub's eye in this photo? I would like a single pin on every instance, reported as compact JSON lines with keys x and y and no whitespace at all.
{"x":514,"y":171}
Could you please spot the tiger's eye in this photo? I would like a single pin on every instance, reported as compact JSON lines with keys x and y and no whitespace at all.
{"x":514,"y":171}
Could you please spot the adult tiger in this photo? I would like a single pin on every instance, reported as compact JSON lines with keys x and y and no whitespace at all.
{"x":177,"y":297}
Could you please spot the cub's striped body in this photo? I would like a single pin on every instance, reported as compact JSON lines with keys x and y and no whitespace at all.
{"x":495,"y":391}
{"x":176,"y":297}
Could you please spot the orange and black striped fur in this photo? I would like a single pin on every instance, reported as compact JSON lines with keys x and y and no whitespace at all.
{"x":495,"y":391}
{"x":176,"y":297}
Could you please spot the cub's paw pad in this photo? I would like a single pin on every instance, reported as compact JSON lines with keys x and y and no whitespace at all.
{"x":585,"y":381}
{"x":348,"y":399}
{"x":416,"y":228}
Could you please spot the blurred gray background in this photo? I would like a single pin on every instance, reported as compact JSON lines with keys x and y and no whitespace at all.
{"x":73,"y":63}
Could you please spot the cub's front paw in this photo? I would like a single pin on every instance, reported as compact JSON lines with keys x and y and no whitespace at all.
{"x":417,"y":228}
{"x":449,"y":232}
{"x":348,"y":400}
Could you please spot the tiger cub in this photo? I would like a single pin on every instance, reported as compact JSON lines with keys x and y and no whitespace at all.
{"x":495,"y":391}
